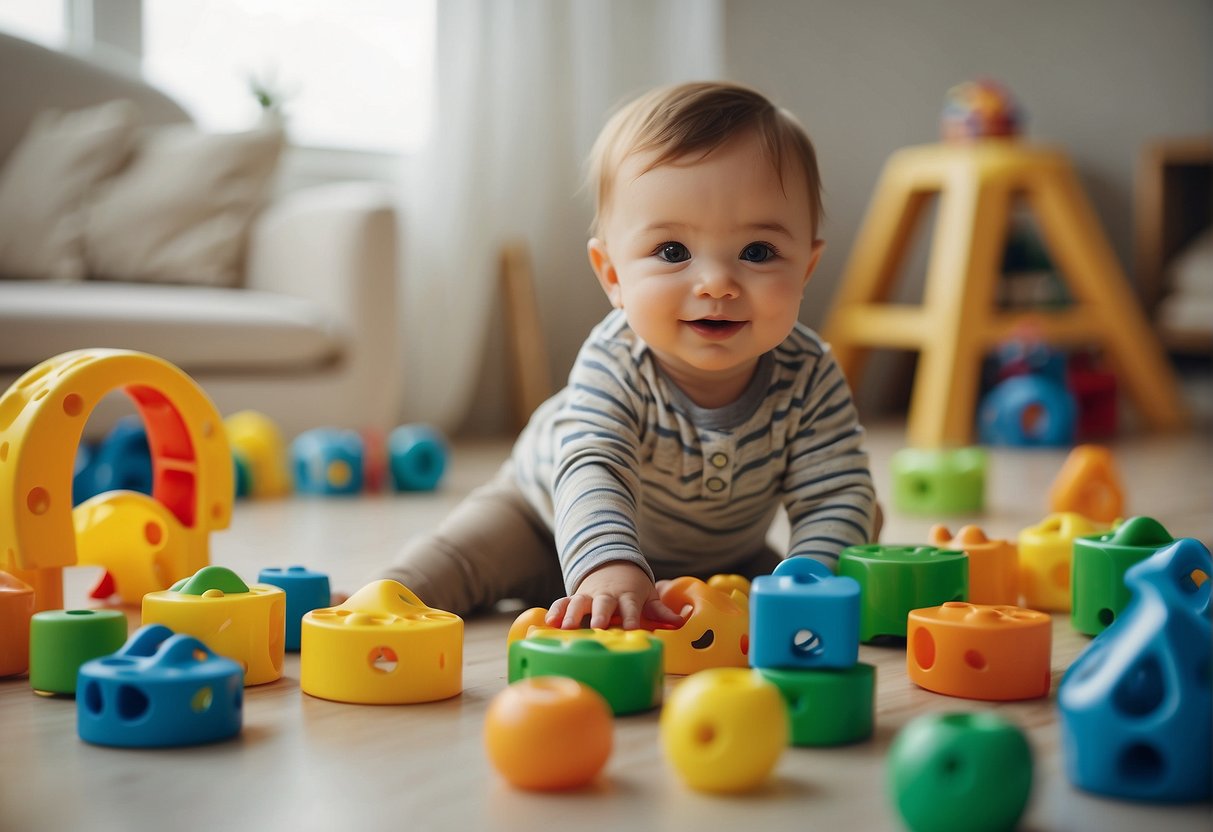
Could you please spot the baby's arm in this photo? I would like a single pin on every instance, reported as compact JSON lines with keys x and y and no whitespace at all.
{"x":618,"y":586}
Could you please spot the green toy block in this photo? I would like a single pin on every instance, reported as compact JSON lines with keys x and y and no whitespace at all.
{"x":938,"y":482}
{"x":60,"y":641}
{"x":826,"y":706}
{"x":1098,"y":566}
{"x":896,"y":579}
{"x":629,"y":679}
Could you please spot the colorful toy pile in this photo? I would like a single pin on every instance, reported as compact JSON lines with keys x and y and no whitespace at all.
{"x":979,"y":109}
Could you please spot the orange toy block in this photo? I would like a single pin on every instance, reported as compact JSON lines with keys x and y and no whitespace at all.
{"x":1045,"y":556}
{"x":1089,"y":485}
{"x":993,"y":564}
{"x":16,"y":609}
{"x":980,"y":651}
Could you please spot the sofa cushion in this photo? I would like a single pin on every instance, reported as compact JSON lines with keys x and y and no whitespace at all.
{"x":194,"y":327}
{"x":181,"y":211}
{"x":45,"y":180}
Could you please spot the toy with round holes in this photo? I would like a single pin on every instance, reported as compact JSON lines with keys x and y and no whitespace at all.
{"x":258,"y":446}
{"x":1088,"y":484}
{"x":980,"y":651}
{"x":804,"y":616}
{"x":327,"y":461}
{"x":383,"y":646}
{"x":305,"y":591}
{"x":1026,"y":412}
{"x":159,"y":690}
{"x":896,"y":579}
{"x":1045,"y":555}
{"x":624,"y":666}
{"x":245,"y":623}
{"x":42,"y":418}
{"x":939,"y":481}
{"x":16,"y":607}
{"x":715,"y":633}
{"x":121,"y":462}
{"x":979,"y":109}
{"x":60,"y":641}
{"x":724,"y":729}
{"x":993,"y":564}
{"x":827,"y":706}
{"x":548,"y":733}
{"x":1100,"y":562}
{"x":417,"y":457}
{"x":1135,"y":708}
{"x":957,"y":772}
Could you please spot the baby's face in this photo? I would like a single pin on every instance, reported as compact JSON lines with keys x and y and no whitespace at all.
{"x":708,"y":258}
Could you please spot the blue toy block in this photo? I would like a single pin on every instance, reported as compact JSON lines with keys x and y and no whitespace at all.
{"x":122,"y":461}
{"x":159,"y":690}
{"x":305,"y":591}
{"x":1136,"y":708}
{"x":1028,"y":411}
{"x":244,"y":475}
{"x":327,"y":461}
{"x":803,"y":616}
{"x":417,"y":456}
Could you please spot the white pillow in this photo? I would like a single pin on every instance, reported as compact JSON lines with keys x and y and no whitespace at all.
{"x":181,"y":211}
{"x":44,"y":183}
{"x":1191,"y":272}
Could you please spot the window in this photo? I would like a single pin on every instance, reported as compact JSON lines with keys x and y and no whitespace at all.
{"x":354,"y":75}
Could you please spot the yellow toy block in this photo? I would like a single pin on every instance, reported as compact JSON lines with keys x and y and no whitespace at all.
{"x":257,"y":439}
{"x":1045,"y":555}
{"x":716,"y":632}
{"x":383,"y":646}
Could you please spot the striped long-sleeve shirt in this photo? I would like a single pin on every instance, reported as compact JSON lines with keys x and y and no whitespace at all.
{"x":623,"y":466}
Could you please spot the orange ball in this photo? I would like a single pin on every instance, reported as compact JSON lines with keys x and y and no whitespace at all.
{"x":548,"y":733}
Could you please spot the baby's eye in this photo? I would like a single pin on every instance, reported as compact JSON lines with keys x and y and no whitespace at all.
{"x":673,"y":252}
{"x":758,"y":252}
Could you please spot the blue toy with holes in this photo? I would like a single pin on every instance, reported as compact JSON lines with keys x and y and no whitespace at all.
{"x":305,"y":591}
{"x":121,"y":462}
{"x":1028,"y":411}
{"x":1136,"y":707}
{"x":417,"y":456}
{"x":802,"y":616}
{"x":159,"y":690}
{"x":327,"y":461}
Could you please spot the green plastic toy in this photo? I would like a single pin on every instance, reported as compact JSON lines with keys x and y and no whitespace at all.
{"x":939,"y":482}
{"x":827,"y":706}
{"x":629,"y":677}
{"x":896,"y":579}
{"x":1098,"y":570}
{"x":958,"y":772}
{"x":211,"y":577}
{"x":62,"y":640}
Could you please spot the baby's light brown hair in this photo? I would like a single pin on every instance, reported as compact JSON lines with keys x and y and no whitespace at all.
{"x":694,"y":119}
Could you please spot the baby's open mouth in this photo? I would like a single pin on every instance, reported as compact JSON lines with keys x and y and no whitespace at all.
{"x":715,"y":329}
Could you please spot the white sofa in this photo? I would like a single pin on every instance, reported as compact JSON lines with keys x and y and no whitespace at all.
{"x":308,"y":336}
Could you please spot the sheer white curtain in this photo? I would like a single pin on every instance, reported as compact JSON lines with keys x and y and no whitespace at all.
{"x":523,"y":86}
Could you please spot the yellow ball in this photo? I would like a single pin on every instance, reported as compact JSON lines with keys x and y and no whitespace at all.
{"x":723,"y":729}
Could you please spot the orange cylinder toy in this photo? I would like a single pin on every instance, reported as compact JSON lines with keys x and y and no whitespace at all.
{"x":16,"y":608}
{"x":993,"y":564}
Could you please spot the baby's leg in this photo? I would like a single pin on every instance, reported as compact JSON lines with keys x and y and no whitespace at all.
{"x":491,"y":547}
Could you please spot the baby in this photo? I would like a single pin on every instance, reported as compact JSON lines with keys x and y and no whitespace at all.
{"x":696,"y":407}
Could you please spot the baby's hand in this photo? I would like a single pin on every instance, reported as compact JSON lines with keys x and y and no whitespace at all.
{"x":618,"y":586}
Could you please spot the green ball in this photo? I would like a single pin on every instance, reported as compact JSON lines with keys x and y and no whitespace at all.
{"x":961,"y":771}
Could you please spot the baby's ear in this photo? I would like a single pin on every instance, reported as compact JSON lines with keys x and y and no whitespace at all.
{"x":818,"y":247}
{"x":608,"y":278}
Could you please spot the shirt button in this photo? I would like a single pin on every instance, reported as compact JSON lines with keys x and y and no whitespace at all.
{"x":719,"y":460}
{"x":716,"y":484}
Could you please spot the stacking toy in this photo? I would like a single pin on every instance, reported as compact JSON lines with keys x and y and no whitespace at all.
{"x":243,"y":475}
{"x":980,"y":651}
{"x":1095,"y":393}
{"x":259,"y":443}
{"x":1100,"y":563}
{"x":1089,"y":485}
{"x":979,"y":109}
{"x":932,"y":482}
{"x":549,"y":733}
{"x":121,"y":462}
{"x":16,"y":607}
{"x":1045,"y":559}
{"x":245,"y":623}
{"x":62,"y":640}
{"x":417,"y":456}
{"x":827,"y":706}
{"x":960,"y":772}
{"x":727,"y":583}
{"x":82,"y":473}
{"x":1136,"y":709}
{"x":993,"y":564}
{"x":383,"y":646}
{"x":624,"y":666}
{"x":1027,"y":411}
{"x":374,"y":459}
{"x":896,"y":579}
{"x":305,"y":591}
{"x":716,"y":632}
{"x":804,"y":616}
{"x":327,"y":461}
{"x":157,"y":690}
{"x":724,"y":729}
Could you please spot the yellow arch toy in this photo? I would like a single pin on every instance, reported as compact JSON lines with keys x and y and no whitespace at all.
{"x":42,"y":418}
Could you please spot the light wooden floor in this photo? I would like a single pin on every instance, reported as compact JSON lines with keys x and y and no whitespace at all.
{"x":303,"y":763}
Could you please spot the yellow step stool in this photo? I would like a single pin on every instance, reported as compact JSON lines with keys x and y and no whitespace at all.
{"x":957,"y":322}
